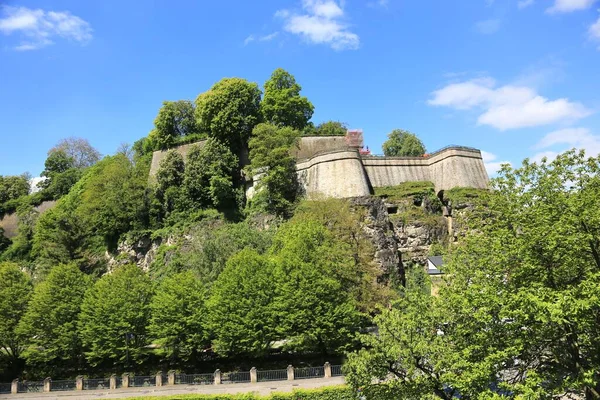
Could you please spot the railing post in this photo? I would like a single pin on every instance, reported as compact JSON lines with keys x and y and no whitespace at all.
{"x":218,"y":377}
{"x":14,"y":386}
{"x":125,"y":383}
{"x":159,"y":381}
{"x":171,"y":377}
{"x":47,"y":384}
{"x":327,"y":368}
{"x":112,"y":383}
{"x":253,"y":375}
{"x":290,"y":373}
{"x":79,"y":382}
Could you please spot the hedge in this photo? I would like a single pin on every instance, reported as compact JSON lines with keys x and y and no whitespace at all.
{"x":328,"y":393}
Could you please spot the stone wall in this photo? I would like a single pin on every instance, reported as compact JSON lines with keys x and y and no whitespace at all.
{"x":337,"y":174}
{"x":10,"y":222}
{"x":328,"y":167}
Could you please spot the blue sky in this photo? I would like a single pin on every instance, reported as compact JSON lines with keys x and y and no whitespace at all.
{"x":514,"y":78}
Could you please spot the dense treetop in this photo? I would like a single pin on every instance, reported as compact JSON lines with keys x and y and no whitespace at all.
{"x":403,"y":143}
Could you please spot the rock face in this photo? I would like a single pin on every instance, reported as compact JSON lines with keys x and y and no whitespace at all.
{"x":141,"y":252}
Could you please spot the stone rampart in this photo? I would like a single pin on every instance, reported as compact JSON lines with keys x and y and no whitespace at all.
{"x":159,"y":155}
{"x":335,"y":174}
{"x":10,"y":222}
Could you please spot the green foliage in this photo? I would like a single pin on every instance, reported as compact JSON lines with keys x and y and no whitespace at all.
{"x":327,"y":128}
{"x":403,"y":143}
{"x":15,"y":291}
{"x":179,"y":317}
{"x":241,"y":308}
{"x":229,"y":111}
{"x":170,"y":171}
{"x":50,"y":324}
{"x":460,"y":195}
{"x":518,"y":311}
{"x":209,"y":176}
{"x":325,"y":393}
{"x":13,"y":187}
{"x":114,"y":315}
{"x":175,"y":119}
{"x":273,"y":169}
{"x":79,"y":150}
{"x":112,"y":201}
{"x":282,"y":104}
{"x":316,"y":313}
{"x":406,"y":190}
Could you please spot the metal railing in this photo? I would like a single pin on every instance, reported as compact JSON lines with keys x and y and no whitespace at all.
{"x":272,"y":375}
{"x":235,"y":377}
{"x":142,"y":381}
{"x":180,"y":379}
{"x":194,"y":379}
{"x":96,"y":384}
{"x":30,"y":386}
{"x":309,"y":372}
{"x":60,"y":386}
{"x":336,"y":370}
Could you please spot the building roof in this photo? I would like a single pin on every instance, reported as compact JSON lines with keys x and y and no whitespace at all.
{"x":436,"y":260}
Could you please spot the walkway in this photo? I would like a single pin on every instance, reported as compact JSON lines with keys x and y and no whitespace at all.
{"x":262,"y":388}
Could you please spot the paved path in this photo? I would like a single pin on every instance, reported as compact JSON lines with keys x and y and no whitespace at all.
{"x":262,"y":388}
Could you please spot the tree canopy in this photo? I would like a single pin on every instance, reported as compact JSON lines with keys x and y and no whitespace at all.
{"x":15,"y":291}
{"x":229,"y":111}
{"x":282,"y":104}
{"x":175,"y":119}
{"x":401,"y":143}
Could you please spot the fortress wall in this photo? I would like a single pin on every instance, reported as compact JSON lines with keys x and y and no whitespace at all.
{"x":10,"y":222}
{"x":159,"y":155}
{"x":394,"y":171}
{"x":309,"y":146}
{"x":456,"y":167}
{"x":338,"y":174}
{"x":448,"y":168}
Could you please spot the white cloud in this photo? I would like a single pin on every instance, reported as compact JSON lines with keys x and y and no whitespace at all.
{"x":594,"y":30}
{"x":488,"y":26}
{"x":566,"y":6}
{"x":524,"y":3}
{"x":39,"y":27}
{"x":264,"y":38}
{"x":564,"y":139}
{"x":507,"y":107}
{"x":492,"y":165}
{"x":321,"y":23}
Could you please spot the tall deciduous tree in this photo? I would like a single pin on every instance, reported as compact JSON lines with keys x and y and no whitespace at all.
{"x":80,"y":150}
{"x":229,"y":111}
{"x":209,"y":175}
{"x":282,"y":104}
{"x":15,"y":291}
{"x":50,"y":323}
{"x":13,"y":187}
{"x":241,"y":308}
{"x":178,"y":321}
{"x":273,"y":169}
{"x":403,"y":143}
{"x":175,"y":119}
{"x":519,"y":311}
{"x":114,"y":315}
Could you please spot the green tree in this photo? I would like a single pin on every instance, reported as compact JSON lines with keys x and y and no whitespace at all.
{"x":15,"y":291}
{"x":229,"y":111}
{"x":114,"y":315}
{"x":273,"y":169}
{"x":79,"y":150}
{"x":13,"y":187}
{"x":519,"y":309}
{"x":174,"y":120}
{"x":331,"y":128}
{"x":241,"y":310}
{"x":282,"y":104}
{"x":112,"y":201}
{"x":50,"y":323}
{"x":316,"y":313}
{"x":209,"y":175}
{"x":403,"y":143}
{"x":178,"y":322}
